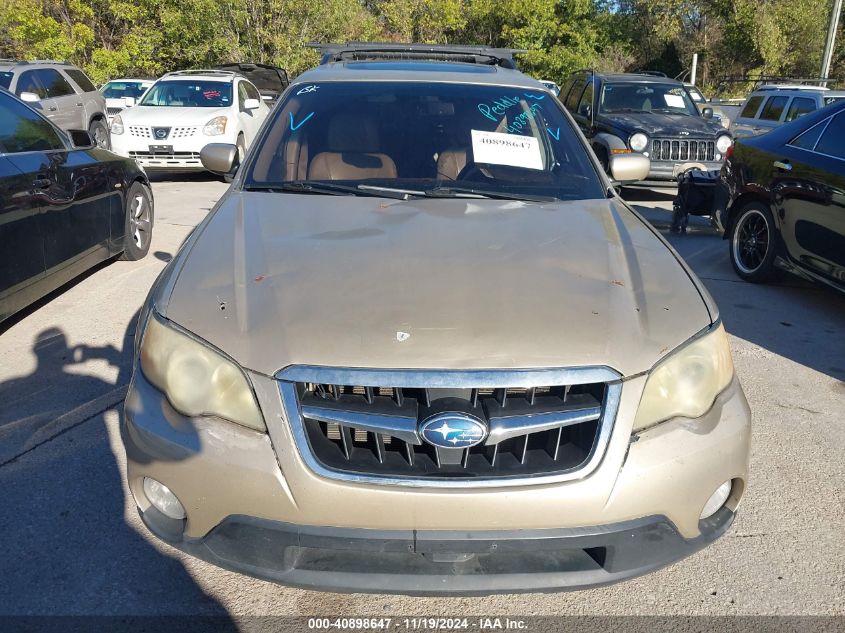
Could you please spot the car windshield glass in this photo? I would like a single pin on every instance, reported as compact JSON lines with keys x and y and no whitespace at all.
{"x":5,"y":79}
{"x":120,"y":89}
{"x":827,"y":100}
{"x":424,"y":139}
{"x":189,"y":94}
{"x":645,"y":97}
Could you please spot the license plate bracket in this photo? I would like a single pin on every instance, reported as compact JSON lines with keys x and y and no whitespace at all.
{"x":161,"y":149}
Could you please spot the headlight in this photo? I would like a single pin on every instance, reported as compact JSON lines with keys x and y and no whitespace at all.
{"x":723,"y":143}
{"x":196,"y":379}
{"x":687,"y":382}
{"x":638,"y":142}
{"x":215,"y":127}
{"x":117,"y":125}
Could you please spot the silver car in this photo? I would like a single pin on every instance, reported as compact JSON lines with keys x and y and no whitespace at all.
{"x":422,"y":346}
{"x":63,"y":92}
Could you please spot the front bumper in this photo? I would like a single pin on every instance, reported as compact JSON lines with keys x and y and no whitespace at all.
{"x":669,"y":171}
{"x":184,"y":155}
{"x":254,"y":506}
{"x":415,"y":562}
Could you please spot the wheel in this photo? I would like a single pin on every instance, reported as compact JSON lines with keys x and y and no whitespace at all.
{"x":241,"y":145}
{"x":753,"y":243}
{"x":139,"y":222}
{"x":100,"y":133}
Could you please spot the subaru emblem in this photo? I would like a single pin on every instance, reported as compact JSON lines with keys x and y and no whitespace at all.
{"x":453,"y":430}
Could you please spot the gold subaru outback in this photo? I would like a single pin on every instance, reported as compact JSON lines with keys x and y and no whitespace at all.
{"x":421,"y":346}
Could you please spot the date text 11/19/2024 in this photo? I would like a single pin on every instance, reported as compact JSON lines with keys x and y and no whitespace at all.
{"x":417,"y":624}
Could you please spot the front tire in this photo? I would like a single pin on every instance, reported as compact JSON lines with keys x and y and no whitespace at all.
{"x":139,"y":222}
{"x":99,"y":132}
{"x":753,"y":243}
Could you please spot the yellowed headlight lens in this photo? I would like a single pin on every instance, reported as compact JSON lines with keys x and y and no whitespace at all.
{"x":196,"y":379}
{"x":686,"y":383}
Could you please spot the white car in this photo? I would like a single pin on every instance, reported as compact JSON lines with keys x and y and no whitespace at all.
{"x":184,"y":111}
{"x":123,"y":93}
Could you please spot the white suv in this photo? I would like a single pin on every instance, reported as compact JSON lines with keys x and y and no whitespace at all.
{"x":184,"y":111}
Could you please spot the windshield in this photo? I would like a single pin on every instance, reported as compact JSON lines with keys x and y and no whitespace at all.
{"x":120,"y":89}
{"x":189,"y":94}
{"x":643,"y":97}
{"x":827,"y":100}
{"x":443,"y":139}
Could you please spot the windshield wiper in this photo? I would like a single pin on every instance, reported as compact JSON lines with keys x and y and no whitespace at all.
{"x":328,"y":188}
{"x":458,"y":191}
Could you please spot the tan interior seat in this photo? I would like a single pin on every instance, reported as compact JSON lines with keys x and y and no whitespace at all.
{"x":451,"y":162}
{"x":354,"y":152}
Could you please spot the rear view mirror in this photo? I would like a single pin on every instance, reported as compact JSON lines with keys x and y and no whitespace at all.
{"x":128,"y":101}
{"x":81,"y":139}
{"x":251,"y":104}
{"x":628,"y":168}
{"x":219,"y":158}
{"x":30,"y":97}
{"x":707,"y":113}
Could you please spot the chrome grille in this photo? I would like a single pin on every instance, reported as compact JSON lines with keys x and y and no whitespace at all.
{"x":363,"y":424}
{"x":113,"y":111}
{"x":683,"y":149}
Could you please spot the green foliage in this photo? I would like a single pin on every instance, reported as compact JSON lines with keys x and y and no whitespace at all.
{"x":149,"y":37}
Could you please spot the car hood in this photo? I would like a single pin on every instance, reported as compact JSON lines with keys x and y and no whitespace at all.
{"x":658,"y":124}
{"x":170,"y":115}
{"x":281,"y":279}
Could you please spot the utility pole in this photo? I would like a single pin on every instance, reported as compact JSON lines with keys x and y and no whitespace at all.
{"x":831,"y":38}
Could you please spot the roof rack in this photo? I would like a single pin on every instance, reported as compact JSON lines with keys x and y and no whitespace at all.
{"x":24,"y":62}
{"x":651,"y":73}
{"x":188,"y":73}
{"x":773,"y":80}
{"x":361,"y":51}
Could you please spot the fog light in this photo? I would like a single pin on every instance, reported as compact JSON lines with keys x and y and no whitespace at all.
{"x":162,"y":499}
{"x":716,"y":500}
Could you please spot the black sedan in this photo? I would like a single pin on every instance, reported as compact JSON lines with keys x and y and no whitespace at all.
{"x":786,"y":200}
{"x":65,"y":205}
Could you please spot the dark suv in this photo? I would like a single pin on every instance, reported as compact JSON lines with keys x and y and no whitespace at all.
{"x":649,"y":114}
{"x":62,"y":92}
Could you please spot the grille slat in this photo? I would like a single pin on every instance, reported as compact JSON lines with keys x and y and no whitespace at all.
{"x":683,"y":150}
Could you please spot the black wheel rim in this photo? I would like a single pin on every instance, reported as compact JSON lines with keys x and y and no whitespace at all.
{"x":751,"y":241}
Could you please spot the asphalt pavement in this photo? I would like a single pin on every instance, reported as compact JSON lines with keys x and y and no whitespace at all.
{"x":71,"y":541}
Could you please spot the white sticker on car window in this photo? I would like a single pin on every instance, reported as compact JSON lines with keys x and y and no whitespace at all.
{"x":506,"y":149}
{"x":674,"y":101}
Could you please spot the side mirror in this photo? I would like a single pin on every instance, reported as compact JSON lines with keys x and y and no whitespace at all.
{"x":30,"y":97}
{"x":585,"y":111}
{"x":251,"y":104}
{"x":128,"y":101}
{"x":219,"y":158}
{"x":628,"y":168}
{"x":81,"y":139}
{"x":707,"y":113}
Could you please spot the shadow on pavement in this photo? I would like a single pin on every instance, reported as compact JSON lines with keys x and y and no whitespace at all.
{"x":67,"y":546}
{"x":184,"y":176}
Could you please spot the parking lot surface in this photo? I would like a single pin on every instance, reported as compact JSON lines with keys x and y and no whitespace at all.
{"x":72,"y":542}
